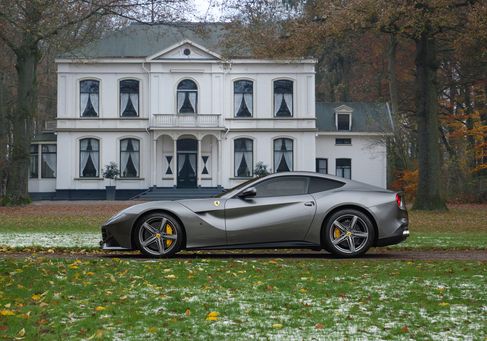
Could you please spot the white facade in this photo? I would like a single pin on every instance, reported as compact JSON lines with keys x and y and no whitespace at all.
{"x":210,"y":132}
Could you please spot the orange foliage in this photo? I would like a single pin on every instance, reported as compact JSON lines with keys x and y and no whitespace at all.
{"x":406,"y":181}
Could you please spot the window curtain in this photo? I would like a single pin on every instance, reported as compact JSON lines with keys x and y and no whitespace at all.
{"x":283,"y":155}
{"x":243,"y":157}
{"x":130,"y":157}
{"x":89,"y":152}
{"x":181,"y":97}
{"x":192,"y":100}
{"x":283,"y":98}
{"x":181,"y":159}
{"x":192,"y":162}
{"x":89,"y":98}
{"x":124,"y":100}
{"x":49,"y":159}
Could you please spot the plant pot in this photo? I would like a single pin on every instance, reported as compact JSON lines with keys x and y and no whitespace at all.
{"x":110,"y":192}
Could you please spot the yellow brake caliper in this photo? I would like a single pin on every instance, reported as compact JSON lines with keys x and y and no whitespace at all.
{"x":336,"y":233}
{"x":168,"y":231}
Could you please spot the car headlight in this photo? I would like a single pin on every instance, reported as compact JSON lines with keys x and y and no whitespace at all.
{"x":116,"y":217}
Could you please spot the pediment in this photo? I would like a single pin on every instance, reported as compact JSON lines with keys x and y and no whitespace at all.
{"x":185,"y":50}
{"x":345,"y":109}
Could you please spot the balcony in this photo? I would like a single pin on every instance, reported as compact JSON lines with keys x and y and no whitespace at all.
{"x":185,"y":121}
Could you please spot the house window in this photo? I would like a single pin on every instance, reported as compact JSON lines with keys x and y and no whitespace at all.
{"x":187,"y":96}
{"x":89,"y":97}
{"x":129,"y":98}
{"x":243,"y":157}
{"x":343,"y":121}
{"x":49,"y":160}
{"x":343,"y":141}
{"x":34,"y":161}
{"x":283,"y":98}
{"x":283,"y":155}
{"x":243,"y":98}
{"x":89,"y":158}
{"x":129,"y":158}
{"x":344,"y":168}
{"x":322,"y":166}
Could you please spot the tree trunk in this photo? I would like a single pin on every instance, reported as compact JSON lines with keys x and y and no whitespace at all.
{"x":27,"y":59}
{"x":4,"y":132}
{"x":428,"y":195}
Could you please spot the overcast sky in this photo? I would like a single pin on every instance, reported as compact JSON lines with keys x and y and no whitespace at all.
{"x":208,"y":10}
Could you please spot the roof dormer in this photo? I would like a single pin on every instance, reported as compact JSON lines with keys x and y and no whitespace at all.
{"x":343,"y":118}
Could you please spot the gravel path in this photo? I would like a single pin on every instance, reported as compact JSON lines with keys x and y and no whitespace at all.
{"x":375,"y":254}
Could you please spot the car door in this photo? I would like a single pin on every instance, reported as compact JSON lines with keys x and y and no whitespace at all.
{"x":281,"y":211}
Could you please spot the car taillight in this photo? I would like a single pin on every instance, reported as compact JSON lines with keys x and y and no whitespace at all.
{"x":398,"y":200}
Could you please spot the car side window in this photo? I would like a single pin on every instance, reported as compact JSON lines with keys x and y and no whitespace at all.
{"x":282,"y":186}
{"x":320,"y":185}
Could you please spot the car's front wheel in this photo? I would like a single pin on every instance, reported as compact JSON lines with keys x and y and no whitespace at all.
{"x":158,"y":235}
{"x":348,"y":233}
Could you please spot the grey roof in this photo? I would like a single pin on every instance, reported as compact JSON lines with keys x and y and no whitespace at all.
{"x":366,"y":117}
{"x":139,"y":40}
{"x":44,"y":137}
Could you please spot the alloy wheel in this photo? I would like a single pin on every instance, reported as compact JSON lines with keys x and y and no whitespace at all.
{"x":349,"y":234}
{"x":158,"y":236}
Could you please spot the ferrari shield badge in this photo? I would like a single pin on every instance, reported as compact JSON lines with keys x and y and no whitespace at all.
{"x":216,"y":203}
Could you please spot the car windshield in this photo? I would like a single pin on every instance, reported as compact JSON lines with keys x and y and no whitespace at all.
{"x":236,"y":188}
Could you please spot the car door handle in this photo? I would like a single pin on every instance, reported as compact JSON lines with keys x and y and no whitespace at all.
{"x":309,"y":203}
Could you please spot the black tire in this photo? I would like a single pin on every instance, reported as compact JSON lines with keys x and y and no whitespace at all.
{"x":142,"y":233}
{"x":348,"y":242}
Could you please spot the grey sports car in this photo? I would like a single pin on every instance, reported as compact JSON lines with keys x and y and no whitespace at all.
{"x":283,"y":210}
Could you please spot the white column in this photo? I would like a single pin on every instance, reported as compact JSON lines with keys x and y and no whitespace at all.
{"x":219,"y":158}
{"x":174,"y":156}
{"x":198,"y":165}
{"x":154,"y":163}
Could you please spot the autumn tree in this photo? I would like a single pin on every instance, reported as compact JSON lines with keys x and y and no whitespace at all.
{"x":27,"y":27}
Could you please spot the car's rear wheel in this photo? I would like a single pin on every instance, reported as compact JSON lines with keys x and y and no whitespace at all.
{"x":348,"y":233}
{"x":158,"y":235}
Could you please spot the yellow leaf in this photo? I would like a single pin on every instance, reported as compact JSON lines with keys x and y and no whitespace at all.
{"x":89,"y":273}
{"x":152,"y":330}
{"x":7,"y":312}
{"x":72,"y":266}
{"x":170,"y":276}
{"x":100,"y":308}
{"x":303,"y":290}
{"x":277,"y":326}
{"x":36,"y":297}
{"x":21,"y":332}
{"x":212,"y":316}
{"x":444,"y":304}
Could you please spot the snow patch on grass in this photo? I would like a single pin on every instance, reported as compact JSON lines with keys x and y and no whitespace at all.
{"x":50,"y":239}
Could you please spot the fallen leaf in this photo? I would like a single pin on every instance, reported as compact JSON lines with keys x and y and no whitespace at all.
{"x":100,"y":308}
{"x":7,"y":312}
{"x":36,"y":297}
{"x":187,"y":312}
{"x":405,"y":329}
{"x":277,"y":326}
{"x":21,"y":332}
{"x":443,"y":304}
{"x":152,"y":330}
{"x":319,"y":326}
{"x":212,"y":316}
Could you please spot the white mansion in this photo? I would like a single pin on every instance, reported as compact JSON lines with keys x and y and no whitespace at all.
{"x":162,"y":103}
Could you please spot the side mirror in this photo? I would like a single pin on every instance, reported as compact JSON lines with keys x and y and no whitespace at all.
{"x":248,"y":193}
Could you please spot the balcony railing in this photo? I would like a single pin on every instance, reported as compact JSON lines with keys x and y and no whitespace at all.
{"x":185,"y":121}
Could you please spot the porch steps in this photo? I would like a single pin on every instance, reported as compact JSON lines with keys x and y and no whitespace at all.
{"x":171,"y":193}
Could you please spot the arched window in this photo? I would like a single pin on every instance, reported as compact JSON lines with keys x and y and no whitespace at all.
{"x":129,"y":158}
{"x":89,"y":155}
{"x":187,"y":96}
{"x":283,"y":98}
{"x":243,"y":98}
{"x":129,"y":98}
{"x":89,"y":97}
{"x":283,"y":155}
{"x":243,"y":157}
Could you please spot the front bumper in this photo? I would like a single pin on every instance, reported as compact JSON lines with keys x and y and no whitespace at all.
{"x":116,"y":236}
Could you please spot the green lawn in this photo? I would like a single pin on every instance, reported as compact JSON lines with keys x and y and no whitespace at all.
{"x":77,"y":225}
{"x":241,"y":299}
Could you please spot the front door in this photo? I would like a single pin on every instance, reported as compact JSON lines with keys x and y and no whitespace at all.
{"x":187,"y":163}
{"x":282,"y":211}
